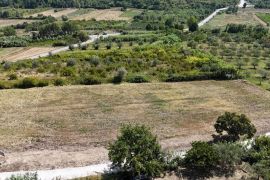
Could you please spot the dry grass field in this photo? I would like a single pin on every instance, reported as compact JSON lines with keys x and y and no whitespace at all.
{"x":71,"y":126}
{"x":9,"y":22}
{"x":20,"y":53}
{"x":243,"y":16}
{"x":57,"y":14}
{"x":113,"y":14}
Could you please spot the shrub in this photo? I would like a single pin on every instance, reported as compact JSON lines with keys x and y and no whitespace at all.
{"x":137,"y":151}
{"x":71,"y":47}
{"x":201,"y":158}
{"x":27,"y":176}
{"x":83,"y":36}
{"x":94,"y":60}
{"x":59,"y":82}
{"x":12,"y":76}
{"x":120,"y":75}
{"x":137,"y":79}
{"x":67,"y":71}
{"x":90,"y":80}
{"x":42,"y":83}
{"x":27,"y":82}
{"x":71,"y":62}
{"x":59,"y":43}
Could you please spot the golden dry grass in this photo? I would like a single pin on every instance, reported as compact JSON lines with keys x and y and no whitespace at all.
{"x":113,"y":14}
{"x":77,"y":118}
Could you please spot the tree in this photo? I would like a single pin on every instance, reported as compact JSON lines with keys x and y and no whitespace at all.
{"x":235,"y":126}
{"x":201,"y":158}
{"x":137,"y":151}
{"x":229,"y":156}
{"x":9,"y":31}
{"x":192,"y":24}
{"x":255,"y":63}
{"x":120,"y":75}
{"x":83,"y":36}
{"x":244,"y":5}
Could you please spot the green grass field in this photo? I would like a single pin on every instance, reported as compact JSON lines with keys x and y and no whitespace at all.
{"x":264,"y":16}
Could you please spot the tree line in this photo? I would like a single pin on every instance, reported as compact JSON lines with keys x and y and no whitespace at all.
{"x":145,"y":4}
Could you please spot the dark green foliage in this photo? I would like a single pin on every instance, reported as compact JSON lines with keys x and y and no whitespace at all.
{"x":30,"y":82}
{"x":83,"y":36}
{"x":259,"y":156}
{"x":229,"y":157}
{"x":137,"y":79}
{"x":120,"y":75}
{"x":137,"y":151}
{"x":9,"y":31}
{"x":90,"y":80}
{"x":201,"y":158}
{"x":13,"y":41}
{"x":59,"y":82}
{"x":235,"y":126}
{"x":192,"y":24}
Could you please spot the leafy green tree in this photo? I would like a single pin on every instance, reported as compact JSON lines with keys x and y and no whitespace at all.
{"x":235,"y":126}
{"x":83,"y":36}
{"x":192,"y":24}
{"x":259,"y":157}
{"x":137,"y":151}
{"x":201,"y":158}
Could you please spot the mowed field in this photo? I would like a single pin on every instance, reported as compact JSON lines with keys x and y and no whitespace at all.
{"x":20,"y":53}
{"x":72,"y":126}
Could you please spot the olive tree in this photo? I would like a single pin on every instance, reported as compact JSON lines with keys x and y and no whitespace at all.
{"x":235,"y":126}
{"x":137,"y":151}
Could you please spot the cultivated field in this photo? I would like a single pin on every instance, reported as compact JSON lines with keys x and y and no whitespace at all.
{"x":15,"y":54}
{"x":9,"y":22}
{"x":104,"y":14}
{"x":71,"y":126}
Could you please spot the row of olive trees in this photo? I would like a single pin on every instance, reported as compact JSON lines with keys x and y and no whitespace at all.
{"x":138,"y":153}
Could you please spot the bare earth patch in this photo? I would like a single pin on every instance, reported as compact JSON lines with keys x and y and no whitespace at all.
{"x":104,"y":14}
{"x":71,"y":126}
{"x":15,"y":54}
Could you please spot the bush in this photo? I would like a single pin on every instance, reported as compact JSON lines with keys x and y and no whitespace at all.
{"x":59,"y":43}
{"x":67,"y":71}
{"x":90,"y":80}
{"x":59,"y":82}
{"x":120,"y":75}
{"x":26,"y":83}
{"x":137,"y":79}
{"x":71,"y":62}
{"x":137,"y":151}
{"x":12,"y":76}
{"x":201,"y":158}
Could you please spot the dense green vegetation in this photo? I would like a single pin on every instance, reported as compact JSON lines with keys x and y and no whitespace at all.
{"x":169,"y":63}
{"x":205,"y":159}
{"x":261,"y":3}
{"x":146,"y":4}
{"x":265,"y":17}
